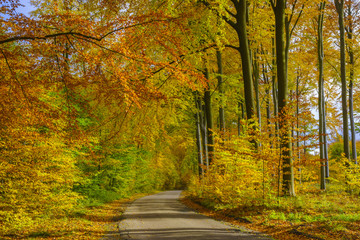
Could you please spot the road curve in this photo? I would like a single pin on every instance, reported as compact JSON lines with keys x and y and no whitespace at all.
{"x":162,"y":216}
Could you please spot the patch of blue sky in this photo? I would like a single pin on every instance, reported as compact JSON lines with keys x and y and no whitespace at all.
{"x":26,"y":9}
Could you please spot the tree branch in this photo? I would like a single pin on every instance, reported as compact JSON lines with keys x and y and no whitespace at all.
{"x":76,"y":34}
{"x":292,"y":10}
{"x":233,"y":47}
{"x":272,"y":3}
{"x":228,"y":21}
{"x":230,"y":13}
{"x":297,"y":20}
{"x":16,"y":79}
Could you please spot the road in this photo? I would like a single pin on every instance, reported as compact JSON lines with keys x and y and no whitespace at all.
{"x":162,"y":216}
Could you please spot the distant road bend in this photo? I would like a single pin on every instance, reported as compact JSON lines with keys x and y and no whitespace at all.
{"x":162,"y":216}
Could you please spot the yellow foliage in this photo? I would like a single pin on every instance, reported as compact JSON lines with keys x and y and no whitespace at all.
{"x":345,"y":175}
{"x":36,"y":180}
{"x":236,"y":176}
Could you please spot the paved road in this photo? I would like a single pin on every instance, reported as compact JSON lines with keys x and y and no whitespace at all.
{"x":162,"y":216}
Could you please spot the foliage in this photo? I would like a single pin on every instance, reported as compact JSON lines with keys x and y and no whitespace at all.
{"x":97,"y":103}
{"x":346,"y":176}
{"x":239,"y":175}
{"x":233,"y":177}
{"x":336,"y":150}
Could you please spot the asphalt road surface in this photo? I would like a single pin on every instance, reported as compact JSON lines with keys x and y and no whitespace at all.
{"x":162,"y":216}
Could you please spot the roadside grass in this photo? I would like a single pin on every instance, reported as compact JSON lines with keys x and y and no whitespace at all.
{"x":92,"y":220}
{"x":311,"y":215}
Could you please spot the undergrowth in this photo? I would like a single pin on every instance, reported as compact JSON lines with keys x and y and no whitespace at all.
{"x":245,"y":183}
{"x":327,"y":215}
{"x":87,"y":222}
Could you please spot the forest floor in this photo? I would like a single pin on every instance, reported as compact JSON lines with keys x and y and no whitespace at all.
{"x":277,"y":225}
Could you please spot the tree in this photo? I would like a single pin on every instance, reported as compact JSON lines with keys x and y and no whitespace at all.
{"x":281,"y":66}
{"x":321,"y":104}
{"x":208,"y":119}
{"x":339,"y":4}
{"x":352,"y":10}
{"x":221,"y":92}
{"x":238,"y":22}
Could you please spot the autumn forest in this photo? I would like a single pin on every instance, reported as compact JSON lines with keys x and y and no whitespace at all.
{"x":250,"y":106}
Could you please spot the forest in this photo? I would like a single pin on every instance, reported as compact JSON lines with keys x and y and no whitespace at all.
{"x":251,"y":106}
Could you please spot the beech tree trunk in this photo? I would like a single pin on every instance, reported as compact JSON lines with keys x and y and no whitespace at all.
{"x":352,"y":123}
{"x":256,"y":86}
{"x":274,"y":87}
{"x":284,"y":128}
{"x":221,"y":93}
{"x":351,"y":83}
{"x":203,"y":131}
{"x":327,"y":171}
{"x":241,"y":115}
{"x":298,"y":125}
{"x":240,"y":28}
{"x":340,"y":10}
{"x":199,"y":141}
{"x":267,"y":96}
{"x":209,"y":121}
{"x":320,"y":51}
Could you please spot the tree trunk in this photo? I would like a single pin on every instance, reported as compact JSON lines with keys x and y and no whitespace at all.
{"x":256,"y":86}
{"x":199,"y":141}
{"x":239,"y":119}
{"x":327,"y":171}
{"x":274,"y":88}
{"x":340,"y":10}
{"x":320,"y":51}
{"x":203,"y":128}
{"x":209,"y":121}
{"x":351,"y":82}
{"x":221,"y":93}
{"x":267,"y":97}
{"x":241,"y":115}
{"x":298,"y":125}
{"x":241,"y":9}
{"x":352,"y":123}
{"x":285,"y":145}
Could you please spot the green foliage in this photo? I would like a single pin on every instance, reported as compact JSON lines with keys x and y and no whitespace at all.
{"x":113,"y":173}
{"x":277,"y":215}
{"x":336,"y":150}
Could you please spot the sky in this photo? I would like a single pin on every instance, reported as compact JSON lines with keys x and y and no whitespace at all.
{"x":26,"y":9}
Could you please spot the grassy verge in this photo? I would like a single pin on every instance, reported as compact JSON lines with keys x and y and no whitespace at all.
{"x":315,"y":215}
{"x":88,"y":222}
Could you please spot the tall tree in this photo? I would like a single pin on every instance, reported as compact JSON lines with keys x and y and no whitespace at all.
{"x":208,"y":117}
{"x":221,"y":92}
{"x":238,"y":22}
{"x":256,"y":67}
{"x":351,"y":13}
{"x":320,"y":51}
{"x":279,"y":7}
{"x":339,"y":4}
{"x":199,"y":135}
